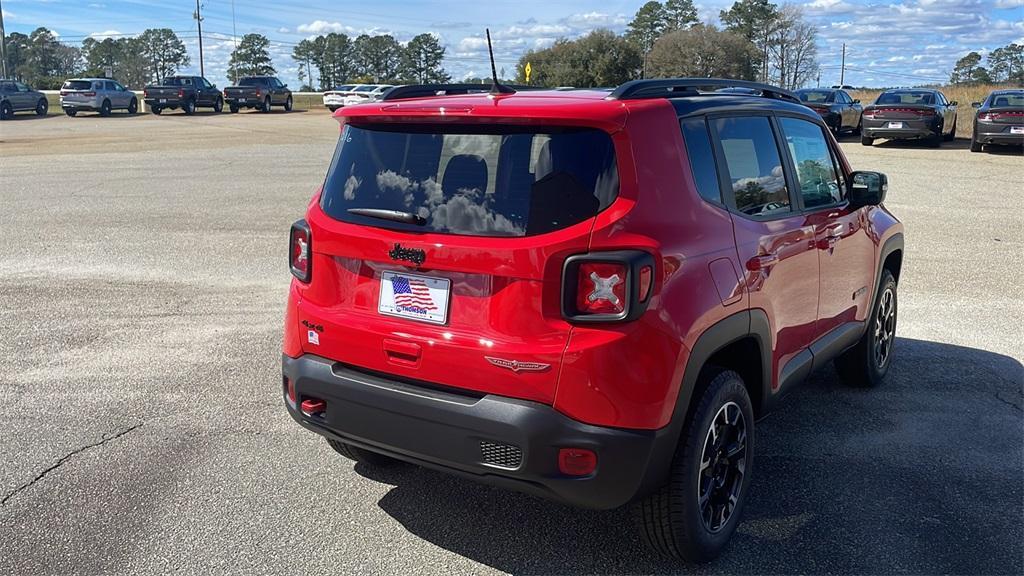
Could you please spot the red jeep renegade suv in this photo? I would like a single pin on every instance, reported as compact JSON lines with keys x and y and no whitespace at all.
{"x":586,"y":295}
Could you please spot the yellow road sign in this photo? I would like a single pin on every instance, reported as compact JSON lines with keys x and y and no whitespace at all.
{"x":528,"y":69}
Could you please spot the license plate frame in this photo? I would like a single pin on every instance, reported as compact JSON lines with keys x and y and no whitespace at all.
{"x":163,"y":100}
{"x":895,"y":125}
{"x":433,"y":292}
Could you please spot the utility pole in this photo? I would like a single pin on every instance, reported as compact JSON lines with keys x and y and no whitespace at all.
{"x":3,"y":42}
{"x":819,"y":79}
{"x":842,"y":69}
{"x":199,"y":23}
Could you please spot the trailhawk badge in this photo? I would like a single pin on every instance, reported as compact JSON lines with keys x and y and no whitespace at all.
{"x":517,"y":366}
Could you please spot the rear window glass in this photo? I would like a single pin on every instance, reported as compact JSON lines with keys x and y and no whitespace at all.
{"x":1015,"y":99}
{"x":478,"y":181}
{"x":78,"y":85}
{"x":173,"y":81}
{"x":926,"y":98}
{"x":815,"y":96}
{"x":251,"y":82}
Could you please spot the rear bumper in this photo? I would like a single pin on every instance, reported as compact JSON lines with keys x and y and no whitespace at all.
{"x":911,"y":129}
{"x":79,"y":105}
{"x":168,"y":102}
{"x":997,"y":134}
{"x":244,"y":101}
{"x":445,"y":430}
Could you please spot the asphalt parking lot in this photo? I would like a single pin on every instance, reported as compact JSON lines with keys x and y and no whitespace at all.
{"x":142,"y":288}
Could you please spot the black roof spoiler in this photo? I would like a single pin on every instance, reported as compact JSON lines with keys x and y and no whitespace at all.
{"x":427,"y":90}
{"x":675,"y":87}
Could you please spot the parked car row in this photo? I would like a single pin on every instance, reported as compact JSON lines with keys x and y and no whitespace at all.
{"x":351,"y":94}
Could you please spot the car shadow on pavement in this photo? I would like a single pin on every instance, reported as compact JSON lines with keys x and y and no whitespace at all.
{"x":921,"y":475}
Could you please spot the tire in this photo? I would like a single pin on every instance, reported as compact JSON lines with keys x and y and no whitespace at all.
{"x":332,"y":108}
{"x":233,"y":108}
{"x":859,"y":129}
{"x":288,"y":104}
{"x":105,"y":108}
{"x":975,"y":145}
{"x":6,"y":111}
{"x":71,"y":112}
{"x":935,"y":140}
{"x":189,"y":107}
{"x":360,"y":455}
{"x":675,"y":520}
{"x":42,"y":107}
{"x":866,"y":364}
{"x":218,"y":106}
{"x":866,"y":141}
{"x":952,"y":132}
{"x":266,"y":105}
{"x":156,"y":110}
{"x":133,"y":106}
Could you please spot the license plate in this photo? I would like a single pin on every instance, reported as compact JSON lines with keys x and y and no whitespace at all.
{"x":423,"y":298}
{"x":896,"y":125}
{"x":1016,"y":129}
{"x":241,"y":99}
{"x":163,"y":100}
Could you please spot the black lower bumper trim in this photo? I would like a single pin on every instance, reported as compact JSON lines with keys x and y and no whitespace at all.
{"x":446,"y":431}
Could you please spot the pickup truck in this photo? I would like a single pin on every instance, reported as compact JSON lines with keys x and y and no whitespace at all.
{"x":185,"y":92}
{"x":260,"y":92}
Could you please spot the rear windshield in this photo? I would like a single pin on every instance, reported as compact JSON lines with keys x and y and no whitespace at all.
{"x":926,"y":98}
{"x":1015,"y":99}
{"x":815,"y":96}
{"x":251,"y":82}
{"x":175,"y":81}
{"x":478,"y":181}
{"x":365,"y":88}
{"x":78,"y":85}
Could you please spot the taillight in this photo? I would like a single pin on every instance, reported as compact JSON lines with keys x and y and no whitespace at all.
{"x":181,"y":93}
{"x":987,"y":117}
{"x":300,"y":245}
{"x":63,"y":92}
{"x":145,"y":93}
{"x":88,"y":94}
{"x":607,"y":286}
{"x":258,"y":93}
{"x":225,"y":93}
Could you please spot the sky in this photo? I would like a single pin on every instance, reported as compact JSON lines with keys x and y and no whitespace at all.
{"x":894,"y":43}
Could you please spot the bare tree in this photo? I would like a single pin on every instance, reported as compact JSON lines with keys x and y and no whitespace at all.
{"x":792,"y":48}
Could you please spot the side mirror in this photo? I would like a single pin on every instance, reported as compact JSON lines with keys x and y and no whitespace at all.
{"x":284,"y":86}
{"x":953,"y":103}
{"x":856,"y":100}
{"x":866,"y":189}
{"x":213,"y":86}
{"x":976,"y":104}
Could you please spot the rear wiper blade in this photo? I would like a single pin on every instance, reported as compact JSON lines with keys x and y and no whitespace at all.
{"x":393,"y":215}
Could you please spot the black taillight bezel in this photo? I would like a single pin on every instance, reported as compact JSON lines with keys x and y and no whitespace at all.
{"x":633,"y":260}
{"x":299,"y":275}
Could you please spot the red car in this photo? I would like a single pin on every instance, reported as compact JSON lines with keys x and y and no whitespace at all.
{"x":586,"y":295}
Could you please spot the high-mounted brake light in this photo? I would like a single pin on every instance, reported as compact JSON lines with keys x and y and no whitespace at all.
{"x":300,"y":255}
{"x":607,"y":286}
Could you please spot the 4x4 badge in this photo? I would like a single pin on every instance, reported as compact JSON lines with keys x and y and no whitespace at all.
{"x":517,"y":366}
{"x":413,"y":255}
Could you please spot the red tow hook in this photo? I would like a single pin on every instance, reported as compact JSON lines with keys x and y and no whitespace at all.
{"x":313,"y":406}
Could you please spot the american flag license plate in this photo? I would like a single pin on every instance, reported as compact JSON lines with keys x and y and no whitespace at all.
{"x":422,"y":298}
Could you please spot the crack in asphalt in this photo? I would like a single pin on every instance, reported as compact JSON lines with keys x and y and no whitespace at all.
{"x":65,"y":458}
{"x":1009,"y":402}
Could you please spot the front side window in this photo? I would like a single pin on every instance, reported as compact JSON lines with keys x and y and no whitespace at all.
{"x":754,"y":166}
{"x":22,"y":87}
{"x":815,"y":168}
{"x":479,"y":181}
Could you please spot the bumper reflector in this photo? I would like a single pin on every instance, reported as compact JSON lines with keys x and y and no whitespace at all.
{"x":312,"y":406}
{"x":576,"y":461}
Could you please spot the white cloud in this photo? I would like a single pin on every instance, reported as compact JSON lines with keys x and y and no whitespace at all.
{"x":321,"y":27}
{"x":1009,"y":4}
{"x":106,"y":34}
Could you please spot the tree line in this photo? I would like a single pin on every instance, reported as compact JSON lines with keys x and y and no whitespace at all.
{"x":338,"y":59}
{"x":1005,"y":65}
{"x":758,"y":41}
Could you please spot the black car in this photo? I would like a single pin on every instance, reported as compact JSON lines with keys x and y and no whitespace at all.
{"x":260,"y":92}
{"x":185,"y":92}
{"x":839,"y":111}
{"x":910,"y":113}
{"x":999,"y":119}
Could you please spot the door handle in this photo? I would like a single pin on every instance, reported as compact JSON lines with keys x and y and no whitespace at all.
{"x":762,"y":262}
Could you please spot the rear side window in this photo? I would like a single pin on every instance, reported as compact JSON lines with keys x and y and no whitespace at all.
{"x":815,"y":169}
{"x":478,"y":181}
{"x":702,"y":159}
{"x":753,"y":165}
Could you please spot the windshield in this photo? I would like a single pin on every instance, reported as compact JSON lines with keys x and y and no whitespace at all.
{"x":815,"y":96}
{"x":77,"y":85}
{"x":177,"y":81}
{"x":480,"y":181}
{"x":342,"y":88}
{"x":251,"y":82}
{"x":926,"y":98}
{"x":365,"y":89}
{"x":1008,"y":99}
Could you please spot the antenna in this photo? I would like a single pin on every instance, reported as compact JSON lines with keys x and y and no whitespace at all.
{"x":496,"y":87}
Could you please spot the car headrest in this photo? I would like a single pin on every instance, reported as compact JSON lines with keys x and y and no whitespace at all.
{"x":464,"y":172}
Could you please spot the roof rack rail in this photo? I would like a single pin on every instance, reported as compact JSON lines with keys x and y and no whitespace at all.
{"x":427,"y":90}
{"x":669,"y":87}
